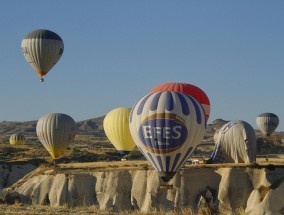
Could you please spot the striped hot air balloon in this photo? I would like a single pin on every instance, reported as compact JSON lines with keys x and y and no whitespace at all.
{"x":167,"y":127}
{"x":235,"y":143}
{"x":42,"y":49}
{"x":216,"y":135}
{"x":267,"y":123}
{"x":17,"y":139}
{"x":116,"y":127}
{"x":56,"y":131}
{"x":189,"y":89}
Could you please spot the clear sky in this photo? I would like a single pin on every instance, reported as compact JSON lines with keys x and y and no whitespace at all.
{"x":116,"y":51}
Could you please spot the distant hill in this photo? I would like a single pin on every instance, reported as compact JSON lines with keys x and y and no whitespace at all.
{"x":10,"y":127}
{"x":90,"y":125}
{"x":94,"y":127}
{"x":91,"y":143}
{"x":87,"y":130}
{"x":84,"y":127}
{"x":219,"y":122}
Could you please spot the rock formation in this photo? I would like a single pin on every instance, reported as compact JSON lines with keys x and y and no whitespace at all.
{"x":258,"y":190}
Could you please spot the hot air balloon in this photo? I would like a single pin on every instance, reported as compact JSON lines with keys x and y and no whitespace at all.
{"x":267,"y":123}
{"x":235,"y":142}
{"x":42,"y":49}
{"x":116,"y":127}
{"x":17,"y":139}
{"x":167,"y":127}
{"x":216,"y":135}
{"x":189,"y":89}
{"x":55,"y":131}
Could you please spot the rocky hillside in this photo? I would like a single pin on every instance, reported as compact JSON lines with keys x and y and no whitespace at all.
{"x":85,"y":127}
{"x":121,"y":186}
{"x":91,"y":136}
{"x":89,"y":126}
{"x":80,"y":179}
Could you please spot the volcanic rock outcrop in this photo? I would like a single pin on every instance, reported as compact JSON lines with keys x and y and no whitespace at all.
{"x":257,"y":190}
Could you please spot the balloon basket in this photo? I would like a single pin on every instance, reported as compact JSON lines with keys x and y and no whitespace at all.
{"x":166,"y":186}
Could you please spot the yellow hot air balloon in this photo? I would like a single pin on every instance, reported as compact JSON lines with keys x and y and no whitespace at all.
{"x":17,"y":139}
{"x":55,"y":131}
{"x":42,"y":49}
{"x":116,"y":127}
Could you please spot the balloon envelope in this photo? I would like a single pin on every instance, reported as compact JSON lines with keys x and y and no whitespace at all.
{"x":188,"y":89}
{"x":267,"y":123}
{"x":55,"y":131}
{"x":216,"y":135}
{"x":167,"y":127}
{"x":42,"y":49}
{"x":235,"y":142}
{"x":116,"y":127}
{"x":17,"y":139}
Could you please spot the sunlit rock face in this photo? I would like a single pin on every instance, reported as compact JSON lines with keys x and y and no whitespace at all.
{"x":257,"y":191}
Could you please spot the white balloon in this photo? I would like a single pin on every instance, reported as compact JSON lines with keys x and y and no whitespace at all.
{"x":42,"y":49}
{"x":235,"y":142}
{"x":167,"y":127}
{"x":55,"y":131}
{"x":267,"y":123}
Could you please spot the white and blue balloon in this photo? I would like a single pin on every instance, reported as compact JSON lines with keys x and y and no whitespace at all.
{"x":167,"y":127}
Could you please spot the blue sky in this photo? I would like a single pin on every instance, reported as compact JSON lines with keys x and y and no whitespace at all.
{"x":116,"y":51}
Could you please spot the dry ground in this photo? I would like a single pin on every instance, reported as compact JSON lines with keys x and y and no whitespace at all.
{"x":64,"y":210}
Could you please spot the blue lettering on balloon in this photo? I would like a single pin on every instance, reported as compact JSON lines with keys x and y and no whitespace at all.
{"x":163,"y":134}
